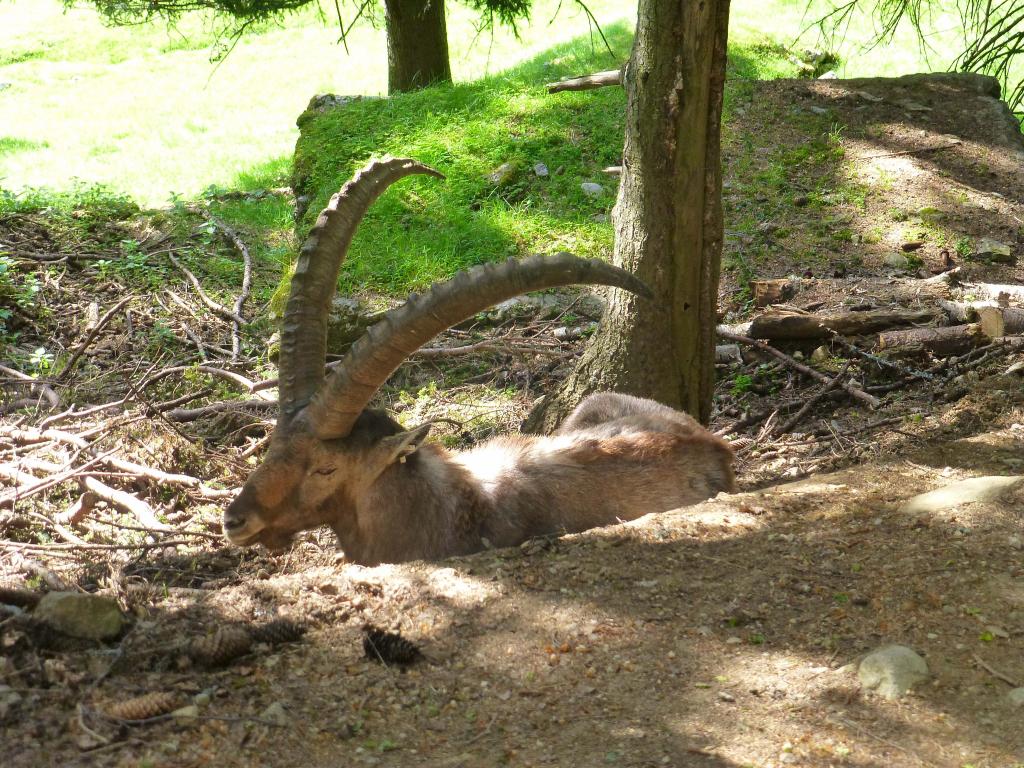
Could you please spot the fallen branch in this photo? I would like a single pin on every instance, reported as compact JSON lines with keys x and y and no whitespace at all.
{"x":996,"y":673}
{"x":93,"y":332}
{"x":44,"y":390}
{"x":945,"y":341}
{"x":918,"y":151}
{"x":243,"y":294}
{"x":854,"y":391}
{"x":226,"y":406}
{"x":786,"y":325}
{"x":587,"y":82}
{"x":214,"y":306}
{"x":139,"y":509}
{"x":138,"y":470}
{"x":812,"y":401}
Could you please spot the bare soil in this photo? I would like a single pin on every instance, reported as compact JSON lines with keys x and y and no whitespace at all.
{"x":725,"y":634}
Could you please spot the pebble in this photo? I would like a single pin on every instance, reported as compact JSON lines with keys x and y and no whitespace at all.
{"x":591,"y":189}
{"x":540,"y":169}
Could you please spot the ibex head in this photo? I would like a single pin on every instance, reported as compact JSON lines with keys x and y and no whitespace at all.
{"x":328,"y":448}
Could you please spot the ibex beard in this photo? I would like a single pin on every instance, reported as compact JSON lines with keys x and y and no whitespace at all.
{"x":389,"y":496}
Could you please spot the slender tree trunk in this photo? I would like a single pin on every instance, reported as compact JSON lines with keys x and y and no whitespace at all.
{"x":668,"y":219}
{"x":417,"y":44}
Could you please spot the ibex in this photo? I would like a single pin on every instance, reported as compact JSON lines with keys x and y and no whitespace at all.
{"x":390,"y":497}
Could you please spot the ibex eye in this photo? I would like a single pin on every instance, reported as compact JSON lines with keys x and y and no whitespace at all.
{"x":326,"y":471}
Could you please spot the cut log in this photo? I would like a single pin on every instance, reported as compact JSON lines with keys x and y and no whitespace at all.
{"x":767,"y":292}
{"x":1001,"y":321}
{"x":960,"y":312}
{"x":781,"y":325}
{"x":587,"y":82}
{"x":1001,"y":294}
{"x":941,"y":342}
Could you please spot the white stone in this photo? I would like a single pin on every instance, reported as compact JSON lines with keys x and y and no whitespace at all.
{"x":892,"y":670}
{"x":591,"y":189}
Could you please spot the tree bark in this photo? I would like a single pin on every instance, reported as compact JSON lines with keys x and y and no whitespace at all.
{"x":417,"y":44}
{"x":786,"y":325}
{"x":668,"y":218}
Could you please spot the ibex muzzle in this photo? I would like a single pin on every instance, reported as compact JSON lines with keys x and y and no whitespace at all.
{"x":388,"y":496}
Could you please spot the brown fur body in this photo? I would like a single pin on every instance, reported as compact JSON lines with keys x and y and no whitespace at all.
{"x":390,"y":499}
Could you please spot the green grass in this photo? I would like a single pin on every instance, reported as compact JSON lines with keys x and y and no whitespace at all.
{"x":141,"y":109}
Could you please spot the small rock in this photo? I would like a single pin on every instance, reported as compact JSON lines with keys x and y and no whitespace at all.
{"x":869,"y":96}
{"x":897,"y":261}
{"x":975,"y":489}
{"x":892,"y":670}
{"x":189,"y":712}
{"x":502,"y":174}
{"x":993,"y":250}
{"x":275,"y":714}
{"x":540,"y":169}
{"x":1015,"y":542}
{"x":9,"y":699}
{"x":726,"y":696}
{"x":913,"y":106}
{"x":733,"y":641}
{"x":830,"y":75}
{"x":78,"y":614}
{"x":818,"y":110}
{"x":821,"y":355}
{"x":591,"y":189}
{"x":600,"y":218}
{"x":1016,"y":697}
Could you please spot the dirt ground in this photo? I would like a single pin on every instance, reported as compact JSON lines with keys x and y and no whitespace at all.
{"x":725,"y":634}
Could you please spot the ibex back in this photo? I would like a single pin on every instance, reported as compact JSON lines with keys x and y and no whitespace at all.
{"x":390,"y":497}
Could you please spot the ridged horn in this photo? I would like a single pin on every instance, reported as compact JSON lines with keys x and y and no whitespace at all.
{"x":376,"y":355}
{"x":304,"y":330}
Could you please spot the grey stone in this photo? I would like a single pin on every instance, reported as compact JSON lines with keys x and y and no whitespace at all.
{"x":9,"y":699}
{"x":993,"y":250}
{"x":502,"y":174}
{"x":897,"y":261}
{"x":540,"y":169}
{"x":891,"y":671}
{"x":347,"y":321}
{"x":275,"y":714}
{"x":591,"y":189}
{"x":818,"y":110}
{"x":975,"y":489}
{"x":1016,"y":697}
{"x":92,"y":617}
{"x":821,"y":355}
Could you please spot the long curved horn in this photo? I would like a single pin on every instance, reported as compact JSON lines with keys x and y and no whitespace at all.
{"x":375,"y":356}
{"x":304,"y":331}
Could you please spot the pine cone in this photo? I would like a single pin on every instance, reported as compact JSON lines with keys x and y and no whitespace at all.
{"x":278,"y":631}
{"x":388,"y":647}
{"x":220,"y":648}
{"x":143,"y":707}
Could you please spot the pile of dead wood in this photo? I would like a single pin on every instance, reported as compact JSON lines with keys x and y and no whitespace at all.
{"x":952,"y":317}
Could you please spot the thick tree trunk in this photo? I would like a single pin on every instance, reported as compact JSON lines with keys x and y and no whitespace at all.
{"x":417,"y":44}
{"x":668,"y":218}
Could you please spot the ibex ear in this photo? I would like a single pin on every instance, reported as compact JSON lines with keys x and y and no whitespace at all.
{"x":405,"y":443}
